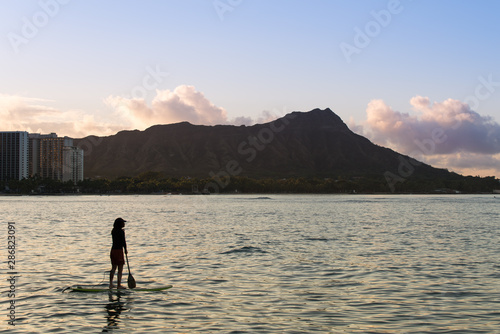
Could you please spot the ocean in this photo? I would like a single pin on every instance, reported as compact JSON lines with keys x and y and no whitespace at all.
{"x":250,"y":263}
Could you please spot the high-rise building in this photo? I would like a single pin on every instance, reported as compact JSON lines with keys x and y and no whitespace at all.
{"x":13,"y":155}
{"x":51,"y":157}
{"x":72,"y":164}
{"x":34,"y":154}
{"x":48,"y":156}
{"x":55,"y":158}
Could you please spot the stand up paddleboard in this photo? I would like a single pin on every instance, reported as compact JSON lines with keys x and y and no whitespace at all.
{"x":81,"y":288}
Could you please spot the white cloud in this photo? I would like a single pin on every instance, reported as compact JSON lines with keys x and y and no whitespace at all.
{"x":37,"y":116}
{"x":445,"y":134}
{"x":184,"y":103}
{"x":438,"y":128}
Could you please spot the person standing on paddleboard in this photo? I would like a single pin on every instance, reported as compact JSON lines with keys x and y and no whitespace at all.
{"x":117,"y":258}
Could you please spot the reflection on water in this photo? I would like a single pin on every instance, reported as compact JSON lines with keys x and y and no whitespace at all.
{"x":114,"y":309}
{"x":254,"y":264}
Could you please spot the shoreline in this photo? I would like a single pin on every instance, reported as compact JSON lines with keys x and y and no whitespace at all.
{"x":251,"y":193}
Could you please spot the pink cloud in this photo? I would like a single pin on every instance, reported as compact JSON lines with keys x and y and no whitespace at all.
{"x":184,"y":103}
{"x":467,"y":163}
{"x":20,"y":113}
{"x":446,"y":134}
{"x":439,"y":128}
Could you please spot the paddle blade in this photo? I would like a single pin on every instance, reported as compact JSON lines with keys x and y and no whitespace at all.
{"x":131,"y":281}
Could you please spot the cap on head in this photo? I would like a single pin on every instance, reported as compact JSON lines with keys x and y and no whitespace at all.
{"x":119,"y":223}
{"x":120,"y":220}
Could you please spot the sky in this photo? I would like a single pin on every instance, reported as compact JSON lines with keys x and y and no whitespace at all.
{"x":420,"y":77}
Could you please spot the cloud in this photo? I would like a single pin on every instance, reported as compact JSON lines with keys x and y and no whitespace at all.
{"x":184,"y":103}
{"x":440,"y":128}
{"x":34,"y":115}
{"x":265,"y":117}
{"x":444,"y":134}
{"x":467,"y":163}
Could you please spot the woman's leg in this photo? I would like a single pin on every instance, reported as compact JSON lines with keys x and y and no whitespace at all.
{"x":111,"y":276}
{"x":119,"y":276}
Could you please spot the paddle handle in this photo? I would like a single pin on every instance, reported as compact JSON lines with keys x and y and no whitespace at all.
{"x":131,"y":279}
{"x":128,"y":267}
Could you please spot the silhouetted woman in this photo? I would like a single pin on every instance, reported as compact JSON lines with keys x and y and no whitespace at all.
{"x":117,"y":257}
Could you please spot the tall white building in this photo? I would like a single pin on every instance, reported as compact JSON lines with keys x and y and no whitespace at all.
{"x":13,"y":155}
{"x":72,"y":164}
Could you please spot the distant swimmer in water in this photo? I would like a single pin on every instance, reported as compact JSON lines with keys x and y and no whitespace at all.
{"x":116,"y":254}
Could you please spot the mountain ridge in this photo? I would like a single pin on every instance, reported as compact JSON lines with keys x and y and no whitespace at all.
{"x":299,"y":144}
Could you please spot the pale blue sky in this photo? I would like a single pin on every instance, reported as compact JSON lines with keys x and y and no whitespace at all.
{"x":259,"y":55}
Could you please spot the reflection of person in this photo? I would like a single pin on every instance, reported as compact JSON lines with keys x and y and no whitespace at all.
{"x":114,"y":309}
{"x":117,"y":259}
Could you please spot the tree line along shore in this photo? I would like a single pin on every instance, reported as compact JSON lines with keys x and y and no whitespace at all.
{"x":158,"y":183}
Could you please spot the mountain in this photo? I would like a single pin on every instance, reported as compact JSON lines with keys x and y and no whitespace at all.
{"x":315,"y":143}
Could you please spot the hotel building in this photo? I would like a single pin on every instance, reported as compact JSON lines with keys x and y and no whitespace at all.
{"x":13,"y":155}
{"x":72,"y":164}
{"x":23,"y":155}
{"x":55,"y":158}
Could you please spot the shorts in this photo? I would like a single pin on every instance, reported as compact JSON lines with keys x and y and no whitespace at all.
{"x":116,"y":256}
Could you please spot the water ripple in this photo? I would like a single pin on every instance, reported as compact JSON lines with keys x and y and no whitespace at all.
{"x":254,"y":264}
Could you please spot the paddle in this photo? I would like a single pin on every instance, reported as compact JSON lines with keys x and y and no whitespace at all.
{"x":130,"y":280}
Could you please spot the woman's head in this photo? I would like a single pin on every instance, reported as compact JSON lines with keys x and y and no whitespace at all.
{"x":119,"y":223}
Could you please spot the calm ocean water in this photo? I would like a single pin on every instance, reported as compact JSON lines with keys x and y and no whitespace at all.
{"x":257,"y":264}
